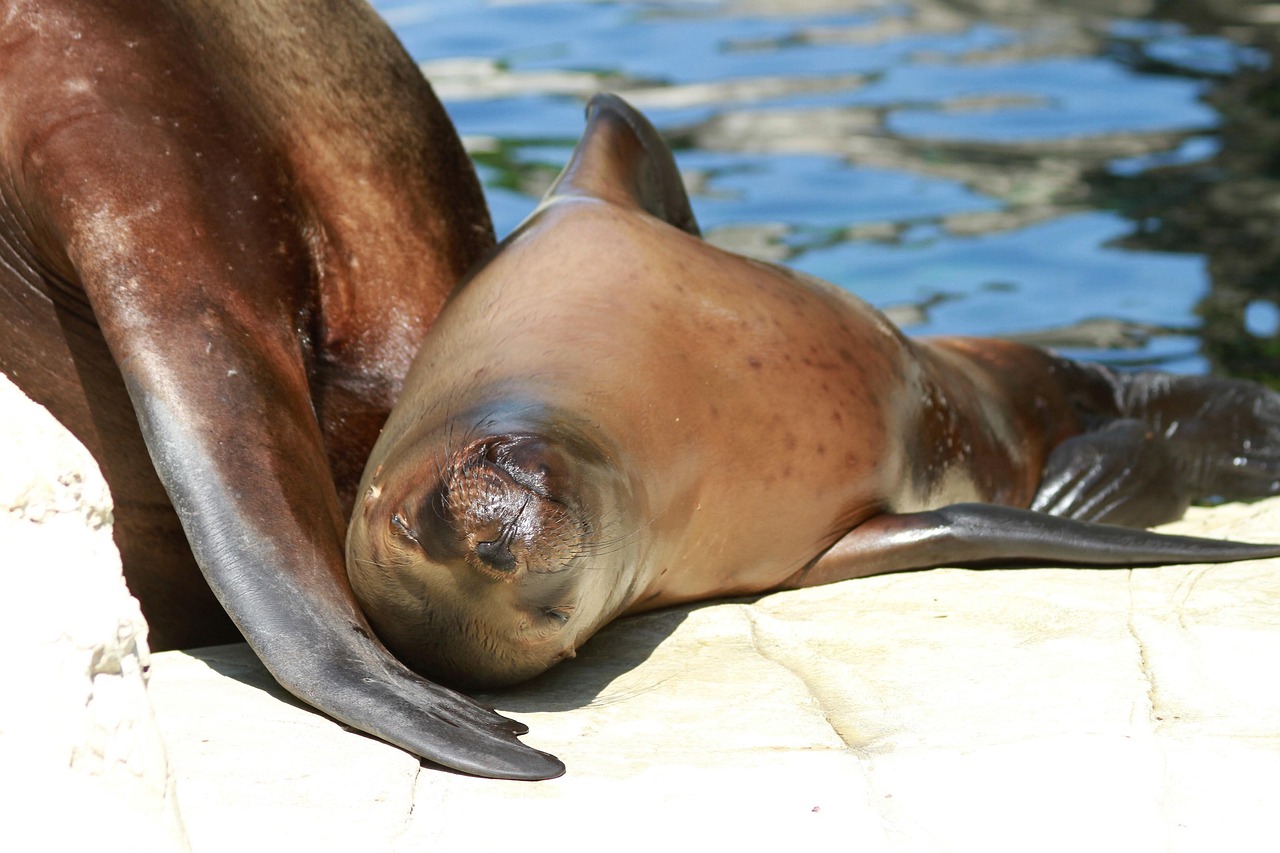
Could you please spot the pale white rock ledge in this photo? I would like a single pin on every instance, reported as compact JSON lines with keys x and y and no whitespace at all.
{"x":83,"y":763}
{"x":1041,"y":710}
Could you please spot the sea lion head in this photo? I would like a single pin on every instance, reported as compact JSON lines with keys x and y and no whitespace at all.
{"x":496,"y":528}
{"x":482,"y":562}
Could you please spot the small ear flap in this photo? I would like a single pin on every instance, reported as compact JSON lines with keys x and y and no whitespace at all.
{"x":622,"y":159}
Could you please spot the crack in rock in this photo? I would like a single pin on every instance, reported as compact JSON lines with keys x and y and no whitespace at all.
{"x":1144,"y":661}
{"x":760,"y":645}
{"x":876,"y":801}
{"x":405,"y":826}
{"x":1155,"y":721}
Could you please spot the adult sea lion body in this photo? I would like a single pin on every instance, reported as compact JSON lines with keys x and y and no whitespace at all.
{"x":612,"y":415}
{"x":225,"y":226}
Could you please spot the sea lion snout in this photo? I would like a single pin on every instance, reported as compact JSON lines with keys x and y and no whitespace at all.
{"x":500,"y":496}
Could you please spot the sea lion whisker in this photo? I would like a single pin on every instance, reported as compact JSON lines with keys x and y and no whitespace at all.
{"x":621,"y":541}
{"x":605,"y":547}
{"x":394,"y":561}
{"x":552,"y":569}
{"x":592,"y":567}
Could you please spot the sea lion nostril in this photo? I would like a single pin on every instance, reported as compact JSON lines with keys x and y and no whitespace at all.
{"x":497,"y":554}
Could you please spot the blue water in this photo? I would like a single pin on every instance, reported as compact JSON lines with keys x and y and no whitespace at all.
{"x":909,"y":159}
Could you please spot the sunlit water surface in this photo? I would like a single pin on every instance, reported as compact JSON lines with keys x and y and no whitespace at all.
{"x":933,"y":162}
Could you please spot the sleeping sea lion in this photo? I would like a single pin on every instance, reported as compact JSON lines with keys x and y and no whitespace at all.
{"x":612,"y":415}
{"x":225,"y":227}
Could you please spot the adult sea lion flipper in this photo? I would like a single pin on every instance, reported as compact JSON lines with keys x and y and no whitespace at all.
{"x":157,"y":240}
{"x":981,"y":535}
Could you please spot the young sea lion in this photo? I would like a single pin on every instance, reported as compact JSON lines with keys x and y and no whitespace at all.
{"x":225,"y":227}
{"x":612,"y":415}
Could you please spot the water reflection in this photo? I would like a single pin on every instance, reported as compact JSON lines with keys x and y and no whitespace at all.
{"x":1081,"y":174}
{"x":1225,"y":206}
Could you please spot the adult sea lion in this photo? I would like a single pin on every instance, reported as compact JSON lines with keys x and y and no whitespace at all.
{"x":225,"y":227}
{"x":612,"y":415}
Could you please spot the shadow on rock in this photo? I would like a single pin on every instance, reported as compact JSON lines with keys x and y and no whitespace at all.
{"x":584,"y":680}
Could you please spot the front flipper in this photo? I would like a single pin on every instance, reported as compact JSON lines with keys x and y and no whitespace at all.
{"x":623,"y":160}
{"x":982,"y":535}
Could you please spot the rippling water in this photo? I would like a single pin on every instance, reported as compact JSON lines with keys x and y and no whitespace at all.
{"x":971,"y":173}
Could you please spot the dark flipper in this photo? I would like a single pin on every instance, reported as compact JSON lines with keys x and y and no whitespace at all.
{"x":1122,"y":474}
{"x":280,"y":575}
{"x":981,"y":535}
{"x":1161,"y":443}
{"x":1225,"y":433}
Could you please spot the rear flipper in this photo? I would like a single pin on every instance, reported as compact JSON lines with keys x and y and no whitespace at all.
{"x":1225,"y":432}
{"x":1178,"y":440}
{"x":1123,"y":474}
{"x":984,"y":535}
